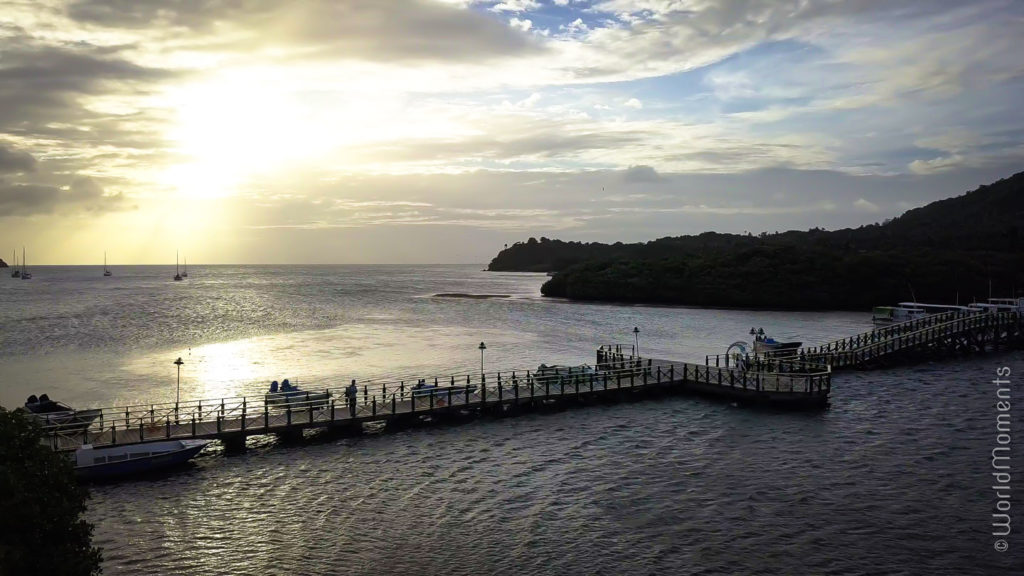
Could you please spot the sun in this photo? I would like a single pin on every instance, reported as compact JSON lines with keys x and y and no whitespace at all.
{"x":234,"y":127}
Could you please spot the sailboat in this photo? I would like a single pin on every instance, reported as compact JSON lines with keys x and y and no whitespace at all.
{"x":177,"y":276}
{"x":106,"y":271}
{"x":184,"y":272}
{"x":16,"y":273}
{"x":25,"y":275}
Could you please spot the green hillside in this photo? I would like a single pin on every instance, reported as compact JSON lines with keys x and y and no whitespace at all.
{"x":949,"y":250}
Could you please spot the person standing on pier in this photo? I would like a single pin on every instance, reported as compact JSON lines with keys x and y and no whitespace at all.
{"x":350,"y":394}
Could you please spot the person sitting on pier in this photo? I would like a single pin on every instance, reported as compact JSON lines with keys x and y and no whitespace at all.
{"x":286,"y":386}
{"x":273,"y":387}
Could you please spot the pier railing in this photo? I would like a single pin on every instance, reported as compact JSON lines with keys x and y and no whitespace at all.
{"x":383,"y":400}
{"x":951,"y":329}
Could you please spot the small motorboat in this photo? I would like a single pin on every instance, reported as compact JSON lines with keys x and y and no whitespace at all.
{"x":54,"y":415}
{"x":423,"y":389}
{"x":114,"y":461}
{"x":768,"y":345}
{"x":290,"y":396}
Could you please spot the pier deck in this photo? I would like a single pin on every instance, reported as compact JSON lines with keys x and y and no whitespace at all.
{"x":617,"y":376}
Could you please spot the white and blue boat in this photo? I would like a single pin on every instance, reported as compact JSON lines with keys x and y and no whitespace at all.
{"x":290,"y":396}
{"x":118,"y":461}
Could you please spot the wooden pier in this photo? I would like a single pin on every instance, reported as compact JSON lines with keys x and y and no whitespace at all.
{"x":939,"y":335}
{"x":801,"y":380}
{"x":935,"y":336}
{"x":617,"y":376}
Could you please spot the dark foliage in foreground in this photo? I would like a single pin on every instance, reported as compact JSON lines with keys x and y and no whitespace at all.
{"x":40,"y":507}
{"x":946,"y":251}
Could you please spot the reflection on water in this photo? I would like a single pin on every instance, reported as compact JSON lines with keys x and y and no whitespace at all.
{"x":891,"y":479}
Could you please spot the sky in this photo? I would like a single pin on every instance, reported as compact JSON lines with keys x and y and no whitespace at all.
{"x":418,"y":131}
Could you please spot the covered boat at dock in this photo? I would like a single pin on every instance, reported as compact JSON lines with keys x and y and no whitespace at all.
{"x":119,"y":461}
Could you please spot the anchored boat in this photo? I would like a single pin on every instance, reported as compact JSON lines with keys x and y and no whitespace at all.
{"x":115,"y":461}
{"x":58,"y":416}
{"x":290,"y":396}
{"x":767,"y":345}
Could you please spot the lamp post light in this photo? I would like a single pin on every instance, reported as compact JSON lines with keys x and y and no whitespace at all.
{"x":482,"y":347}
{"x":177,"y":394}
{"x":636,"y":340}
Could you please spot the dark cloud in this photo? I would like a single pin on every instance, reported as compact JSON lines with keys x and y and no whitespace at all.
{"x":40,"y":85}
{"x":15,"y":161}
{"x":84,"y":193}
{"x":397,"y":30}
{"x":641,"y":174}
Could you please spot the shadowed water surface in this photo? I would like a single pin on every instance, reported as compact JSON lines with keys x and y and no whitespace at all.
{"x":893,"y":479}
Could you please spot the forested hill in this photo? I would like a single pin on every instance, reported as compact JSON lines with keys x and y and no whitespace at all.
{"x":948,"y":250}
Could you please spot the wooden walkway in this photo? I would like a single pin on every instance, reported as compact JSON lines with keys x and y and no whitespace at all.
{"x":938,"y":335}
{"x":616,"y":376}
{"x":947,"y":334}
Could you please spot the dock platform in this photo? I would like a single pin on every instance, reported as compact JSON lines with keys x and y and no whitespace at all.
{"x":617,"y":376}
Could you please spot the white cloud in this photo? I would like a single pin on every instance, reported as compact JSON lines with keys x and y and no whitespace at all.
{"x":516,"y":6}
{"x":518,"y":24}
{"x":865,"y":205}
{"x":633,"y":103}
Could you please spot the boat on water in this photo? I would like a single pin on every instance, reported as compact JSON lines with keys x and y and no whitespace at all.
{"x":764,"y":344}
{"x":177,"y":274}
{"x":117,"y":461}
{"x":885,"y":315}
{"x":997,"y":305}
{"x":422,"y":389}
{"x":290,"y":396}
{"x":58,"y":415}
{"x":25,"y":274}
{"x":16,"y":273}
{"x":106,"y":271}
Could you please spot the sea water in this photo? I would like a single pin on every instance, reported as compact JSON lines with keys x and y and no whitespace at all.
{"x":893,"y":478}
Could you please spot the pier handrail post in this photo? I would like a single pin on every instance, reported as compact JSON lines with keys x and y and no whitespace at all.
{"x":193,"y":425}
{"x":243,"y":414}
{"x":394,"y":405}
{"x":671,"y":372}
{"x":373,"y":412}
{"x":483,"y":390}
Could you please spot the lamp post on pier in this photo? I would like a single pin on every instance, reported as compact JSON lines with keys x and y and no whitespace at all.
{"x":177,"y":394}
{"x":482,"y":347}
{"x":636,"y":340}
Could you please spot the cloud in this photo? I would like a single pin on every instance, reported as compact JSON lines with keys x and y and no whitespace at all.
{"x":865,"y":205}
{"x":633,"y":103}
{"x":82,"y":194}
{"x":15,"y":161}
{"x":516,"y":6}
{"x":641,"y":174}
{"x":367,"y":30}
{"x":522,"y":25}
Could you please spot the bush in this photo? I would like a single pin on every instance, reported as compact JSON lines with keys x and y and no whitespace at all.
{"x":40,"y":506}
